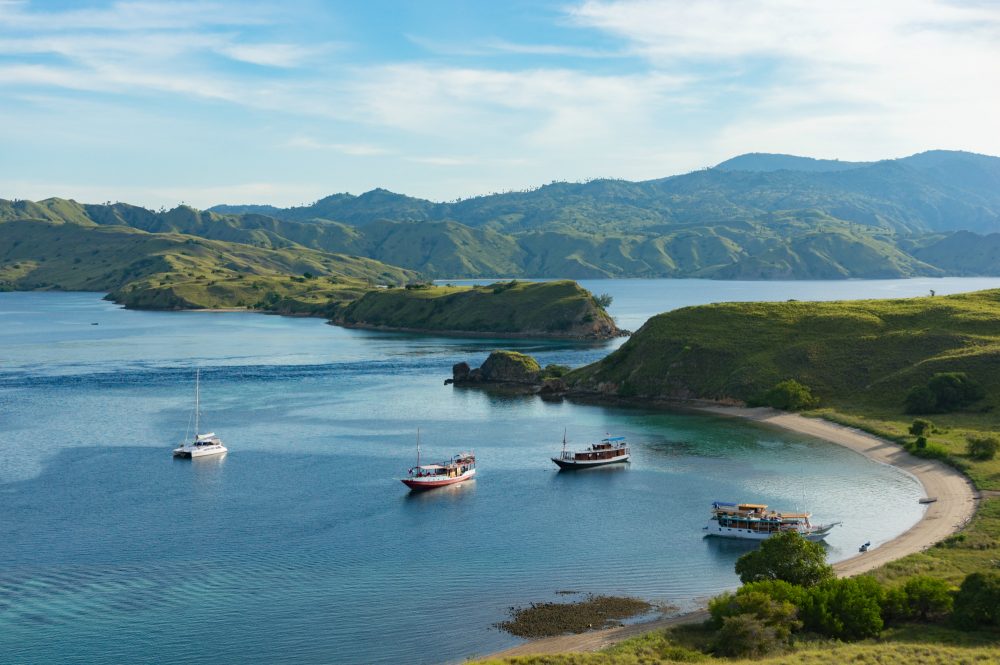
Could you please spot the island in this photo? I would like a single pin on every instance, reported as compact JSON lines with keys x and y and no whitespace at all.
{"x":559,"y":309}
{"x":175,"y":271}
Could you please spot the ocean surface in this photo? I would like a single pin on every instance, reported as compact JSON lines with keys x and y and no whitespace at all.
{"x":301,"y":544}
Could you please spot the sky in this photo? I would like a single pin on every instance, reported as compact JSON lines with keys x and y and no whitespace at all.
{"x":159,"y":103}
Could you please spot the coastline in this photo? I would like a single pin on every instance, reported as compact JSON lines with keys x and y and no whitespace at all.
{"x":956,"y":504}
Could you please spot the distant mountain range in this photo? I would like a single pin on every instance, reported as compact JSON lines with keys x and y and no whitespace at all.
{"x":756,"y":216}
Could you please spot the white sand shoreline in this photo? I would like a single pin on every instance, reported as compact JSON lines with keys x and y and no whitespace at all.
{"x":955,"y":505}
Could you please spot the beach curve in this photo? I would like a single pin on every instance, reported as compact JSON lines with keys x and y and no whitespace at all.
{"x":955,"y":504}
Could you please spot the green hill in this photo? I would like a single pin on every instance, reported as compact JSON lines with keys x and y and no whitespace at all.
{"x":169,"y":270}
{"x":860,"y":358}
{"x":753,"y":217}
{"x":533,"y":309}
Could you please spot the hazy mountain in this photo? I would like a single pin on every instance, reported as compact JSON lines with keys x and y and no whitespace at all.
{"x":921,"y":215}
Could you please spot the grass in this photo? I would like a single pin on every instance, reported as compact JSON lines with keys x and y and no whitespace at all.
{"x":905,"y":645}
{"x":859,"y":358}
{"x":553,"y":309}
{"x":169,"y":271}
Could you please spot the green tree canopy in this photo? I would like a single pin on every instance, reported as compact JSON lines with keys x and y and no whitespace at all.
{"x":790,"y":395}
{"x":785,"y":556}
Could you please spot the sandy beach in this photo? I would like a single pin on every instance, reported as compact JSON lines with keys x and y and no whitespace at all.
{"x":954,"y":507}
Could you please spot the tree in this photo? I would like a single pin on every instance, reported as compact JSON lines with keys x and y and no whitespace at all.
{"x":921,"y":427}
{"x":977,"y":602}
{"x":785,"y":556}
{"x":945,"y":392}
{"x":847,"y":609}
{"x":790,"y":395}
{"x":927,"y":597}
{"x":982,"y":448}
{"x":920,"y":399}
{"x":604,"y":300}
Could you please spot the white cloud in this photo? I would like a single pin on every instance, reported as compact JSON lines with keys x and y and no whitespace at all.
{"x":354,"y":149}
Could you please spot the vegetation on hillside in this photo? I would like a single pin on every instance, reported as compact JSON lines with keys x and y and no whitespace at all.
{"x":550,"y":309}
{"x":755,"y":217}
{"x":169,"y":271}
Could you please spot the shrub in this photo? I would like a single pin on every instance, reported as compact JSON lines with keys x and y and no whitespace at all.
{"x":790,"y":395}
{"x":982,"y":448}
{"x":945,"y":392}
{"x":785,"y":556}
{"x":921,"y":427}
{"x":927,"y":597}
{"x":779,"y":615}
{"x":977,"y":602}
{"x":553,"y":371}
{"x":846,"y":609}
{"x":921,"y":442}
{"x":604,"y":300}
{"x":779,"y":590}
{"x":920,"y":399}
{"x":745,"y":636}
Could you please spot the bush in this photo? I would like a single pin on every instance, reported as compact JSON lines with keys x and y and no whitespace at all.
{"x":604,"y":300}
{"x":927,"y":597}
{"x":921,"y":442}
{"x":785,"y":556}
{"x":846,"y":609}
{"x":945,"y":392}
{"x":553,"y":371}
{"x":977,"y":602}
{"x":921,"y":427}
{"x":982,"y":448}
{"x":779,"y":615}
{"x":745,"y":636}
{"x":790,"y":395}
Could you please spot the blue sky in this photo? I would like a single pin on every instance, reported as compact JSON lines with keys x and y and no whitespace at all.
{"x":285,"y":102}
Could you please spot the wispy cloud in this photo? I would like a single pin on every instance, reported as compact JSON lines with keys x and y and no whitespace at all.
{"x":354,"y":149}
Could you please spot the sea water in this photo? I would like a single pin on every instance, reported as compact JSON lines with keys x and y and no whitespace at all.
{"x":301,"y":544}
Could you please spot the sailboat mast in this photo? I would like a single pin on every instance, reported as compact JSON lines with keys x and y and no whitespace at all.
{"x":418,"y":446}
{"x":564,"y":439}
{"x":197,"y":401}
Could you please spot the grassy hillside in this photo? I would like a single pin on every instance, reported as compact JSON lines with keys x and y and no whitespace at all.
{"x":170,"y":270}
{"x":859,"y":358}
{"x":752,"y":217}
{"x":549,"y":309}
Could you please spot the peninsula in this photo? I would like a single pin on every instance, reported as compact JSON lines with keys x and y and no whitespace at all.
{"x":561,"y":309}
{"x":907,"y":382}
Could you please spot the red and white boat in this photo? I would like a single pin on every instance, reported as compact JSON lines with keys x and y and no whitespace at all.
{"x":458,"y":469}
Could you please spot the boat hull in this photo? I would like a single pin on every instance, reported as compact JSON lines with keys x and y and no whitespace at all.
{"x":429,"y":483}
{"x":717,"y":531}
{"x":208,"y":452}
{"x":588,"y":464}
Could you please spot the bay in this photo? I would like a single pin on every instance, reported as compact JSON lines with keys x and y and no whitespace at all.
{"x":301,"y":544}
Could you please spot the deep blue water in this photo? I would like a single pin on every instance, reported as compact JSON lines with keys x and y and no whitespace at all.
{"x":301,"y":544}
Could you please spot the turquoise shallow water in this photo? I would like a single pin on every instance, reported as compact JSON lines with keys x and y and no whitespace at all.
{"x":301,"y":544}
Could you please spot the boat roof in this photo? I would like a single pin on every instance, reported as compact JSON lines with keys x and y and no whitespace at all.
{"x":613,"y":438}
{"x":205,"y":437}
{"x":429,"y":466}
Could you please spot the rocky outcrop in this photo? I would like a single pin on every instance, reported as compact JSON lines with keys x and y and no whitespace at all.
{"x":508,"y":367}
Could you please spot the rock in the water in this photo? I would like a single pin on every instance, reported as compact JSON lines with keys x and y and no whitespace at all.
{"x":460,"y":372}
{"x":510,"y":367}
{"x":500,"y":367}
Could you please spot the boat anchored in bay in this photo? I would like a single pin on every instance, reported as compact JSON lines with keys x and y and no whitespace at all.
{"x":610,"y":450}
{"x":203,"y":444}
{"x":458,"y":469}
{"x":753,"y":521}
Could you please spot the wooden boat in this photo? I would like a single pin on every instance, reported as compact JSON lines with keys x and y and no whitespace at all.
{"x":458,"y":469}
{"x":753,"y":521}
{"x":610,"y":450}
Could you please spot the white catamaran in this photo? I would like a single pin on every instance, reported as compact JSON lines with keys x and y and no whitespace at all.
{"x":203,"y":444}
